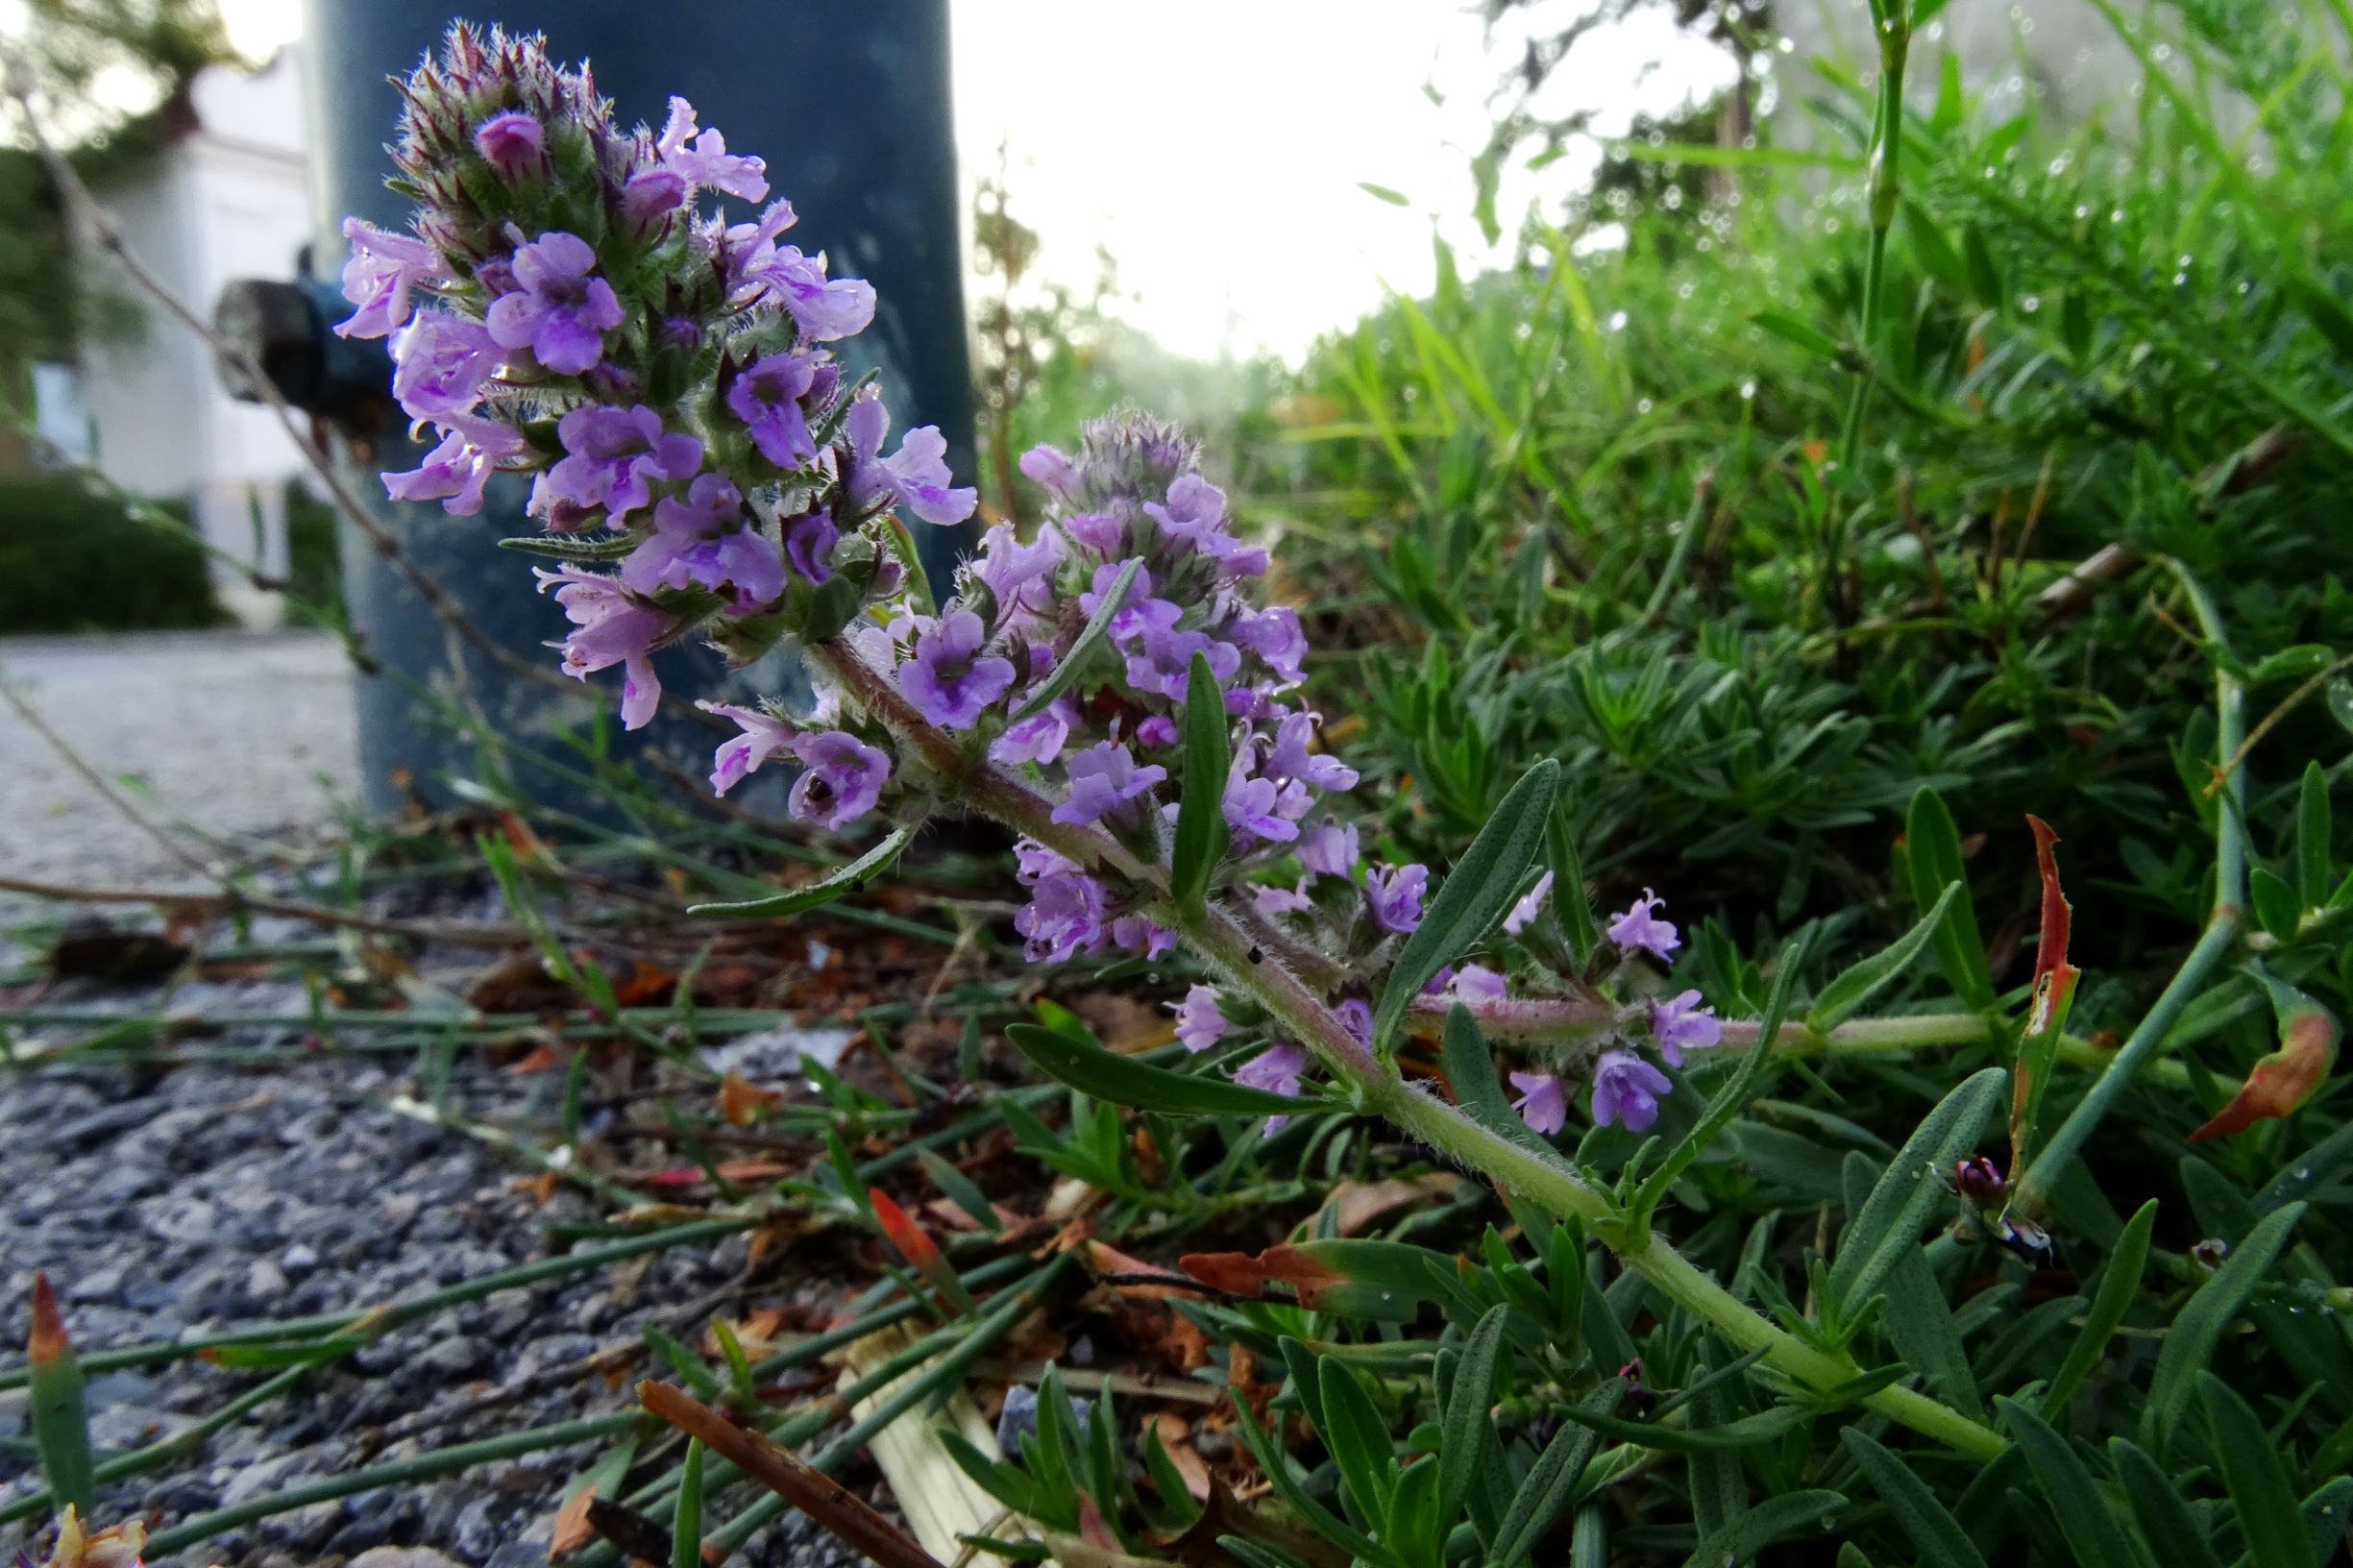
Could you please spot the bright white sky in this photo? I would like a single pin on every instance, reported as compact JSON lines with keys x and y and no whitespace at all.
{"x":1217,"y":148}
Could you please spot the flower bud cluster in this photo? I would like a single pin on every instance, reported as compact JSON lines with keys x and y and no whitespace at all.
{"x":562,"y":306}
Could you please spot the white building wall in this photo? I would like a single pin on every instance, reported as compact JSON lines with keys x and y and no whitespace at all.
{"x":227,"y":200}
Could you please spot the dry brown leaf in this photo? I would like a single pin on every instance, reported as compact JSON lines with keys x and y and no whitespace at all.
{"x":741,"y":1100}
{"x":1357,"y":1205}
{"x":572,"y":1531}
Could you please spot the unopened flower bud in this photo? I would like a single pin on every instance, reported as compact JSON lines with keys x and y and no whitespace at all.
{"x":1978,"y":1179}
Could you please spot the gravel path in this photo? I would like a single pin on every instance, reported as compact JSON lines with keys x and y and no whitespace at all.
{"x":164,"y":1203}
{"x":230,"y":731}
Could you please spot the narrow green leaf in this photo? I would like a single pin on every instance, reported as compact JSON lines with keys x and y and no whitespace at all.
{"x":2274,"y":901}
{"x":1383,"y":193}
{"x":1920,"y":1324}
{"x":1201,"y":831}
{"x":2092,"y":1531}
{"x":1937,"y":1535}
{"x":1571,"y":905}
{"x":2198,"y":1327}
{"x":1090,"y":1070}
{"x":960,"y":1189}
{"x":1359,"y":1439}
{"x":1746,"y":1433}
{"x":2259,"y":1486}
{"x":1473,"y":897}
{"x":1467,"y":1428}
{"x":2324,"y":1513}
{"x":1804,"y":335}
{"x":1844,"y":997}
{"x":824,"y":890}
{"x":2119,"y":1281}
{"x":566,"y":547}
{"x":686,"y":1527}
{"x":1719,"y":1478}
{"x":1277,"y":1466}
{"x":1932,"y":851}
{"x":2169,"y":1530}
{"x":2320,"y":308}
{"x":1552,"y":1484}
{"x":2313,"y":849}
{"x":1090,"y":636}
{"x":1765,"y":1523}
{"x":1899,"y":1204}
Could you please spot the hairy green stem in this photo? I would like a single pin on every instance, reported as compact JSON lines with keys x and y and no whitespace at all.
{"x":1218,"y":938}
{"x":1447,"y":1129}
{"x":2222,"y":926}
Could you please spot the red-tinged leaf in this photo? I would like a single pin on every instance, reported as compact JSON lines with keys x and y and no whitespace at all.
{"x":916,"y":1245}
{"x":2054,"y":990}
{"x":2283,"y":1080}
{"x":47,"y":1342}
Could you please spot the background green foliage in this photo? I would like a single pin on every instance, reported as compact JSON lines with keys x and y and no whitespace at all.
{"x":71,"y":559}
{"x":1596,"y":509}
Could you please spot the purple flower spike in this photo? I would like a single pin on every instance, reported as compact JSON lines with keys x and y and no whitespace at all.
{"x":701,"y":157}
{"x":1681,"y":1024}
{"x":764,"y":737}
{"x":1275,"y":901}
{"x":1290,"y":758}
{"x":455,"y":471}
{"x":1163,"y":663}
{"x":1276,"y":1069}
{"x":808,"y":545}
{"x":1020,"y":575}
{"x":1064,"y":917}
{"x":825,"y":310}
{"x":1199,"y":1025}
{"x":384,"y":267}
{"x":651,"y":193}
{"x":1102,"y":777}
{"x":1038,"y":738}
{"x":1626,"y":1088}
{"x":915,"y":476}
{"x":1250,"y":805}
{"x":842,"y":778}
{"x":1049,"y":467}
{"x":1476,"y":983}
{"x":948,"y":680}
{"x":767,"y":399}
{"x":612,"y":627}
{"x":560,"y":311}
{"x":1396,"y":897}
{"x":440,"y":362}
{"x":1195,"y":515}
{"x":1329,"y":849}
{"x":1543,"y":1103}
{"x":616,"y":453}
{"x":511,"y":144}
{"x":702,"y":542}
{"x":1274,"y":636}
{"x":1528,"y":908}
{"x":1639,"y":927}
